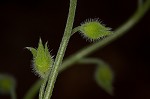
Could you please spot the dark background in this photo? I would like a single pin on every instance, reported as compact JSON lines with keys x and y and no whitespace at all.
{"x":22,"y":22}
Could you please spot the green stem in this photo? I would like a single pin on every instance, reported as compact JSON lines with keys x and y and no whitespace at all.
{"x":102,"y":43}
{"x":139,"y":3}
{"x":41,"y":92}
{"x":42,"y":88}
{"x":91,"y":61}
{"x":33,"y":90}
{"x":62,"y":49}
{"x":91,"y":48}
{"x":76,"y":29}
{"x":13,"y":94}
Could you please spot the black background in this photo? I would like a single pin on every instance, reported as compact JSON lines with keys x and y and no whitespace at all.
{"x":22,"y":22}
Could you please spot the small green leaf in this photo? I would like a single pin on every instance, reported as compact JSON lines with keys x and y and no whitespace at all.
{"x":33,"y":51}
{"x":7,"y":83}
{"x":104,"y":78}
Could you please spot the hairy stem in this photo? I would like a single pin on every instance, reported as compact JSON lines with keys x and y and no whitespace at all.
{"x":76,"y":29}
{"x":102,"y":43}
{"x":93,"y":47}
{"x":42,"y":88}
{"x":62,"y":49}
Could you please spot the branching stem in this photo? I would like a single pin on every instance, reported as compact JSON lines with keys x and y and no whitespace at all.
{"x":102,"y":43}
{"x":87,"y":50}
{"x":61,"y":51}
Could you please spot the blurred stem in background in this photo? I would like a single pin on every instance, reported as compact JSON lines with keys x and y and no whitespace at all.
{"x":13,"y":94}
{"x":139,"y":3}
{"x":139,"y":13}
{"x":32,"y":92}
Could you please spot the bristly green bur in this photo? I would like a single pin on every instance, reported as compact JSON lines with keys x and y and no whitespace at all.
{"x":42,"y":60}
{"x":92,"y":29}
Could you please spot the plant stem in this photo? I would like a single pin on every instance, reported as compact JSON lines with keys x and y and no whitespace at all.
{"x":102,"y":43}
{"x":76,"y":29}
{"x":139,"y":3}
{"x":62,"y":49}
{"x":91,"y":61}
{"x":33,"y":90}
{"x":42,"y":88}
{"x":91,"y":48}
{"x":13,"y":94}
{"x":41,"y":92}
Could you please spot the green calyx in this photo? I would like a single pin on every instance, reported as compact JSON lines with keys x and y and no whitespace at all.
{"x":93,"y":29}
{"x":42,"y":59}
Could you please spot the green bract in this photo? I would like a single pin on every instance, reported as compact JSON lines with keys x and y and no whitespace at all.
{"x":93,"y":29}
{"x":104,"y":78}
{"x":42,"y":59}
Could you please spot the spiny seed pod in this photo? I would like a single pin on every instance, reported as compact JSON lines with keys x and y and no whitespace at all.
{"x":42,"y":60}
{"x":94,"y":30}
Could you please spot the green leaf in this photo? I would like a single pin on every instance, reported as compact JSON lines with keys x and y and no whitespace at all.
{"x":33,"y":51}
{"x":104,"y":78}
{"x":7,"y":83}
